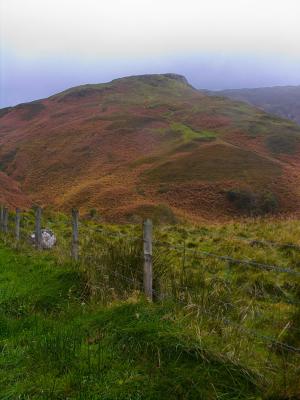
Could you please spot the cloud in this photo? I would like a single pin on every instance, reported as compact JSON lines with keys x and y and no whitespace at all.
{"x":143,"y":28}
{"x":49,"y":45}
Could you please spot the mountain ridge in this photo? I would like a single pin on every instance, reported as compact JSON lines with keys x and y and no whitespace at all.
{"x":283,"y":101}
{"x":148,"y":144}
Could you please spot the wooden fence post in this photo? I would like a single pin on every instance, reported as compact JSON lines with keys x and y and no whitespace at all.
{"x":18,"y":217}
{"x":38,"y":229}
{"x":75,"y":239}
{"x":1,"y":218}
{"x":5,"y":220}
{"x":147,"y":236}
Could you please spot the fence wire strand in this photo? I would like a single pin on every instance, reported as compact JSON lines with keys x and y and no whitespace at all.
{"x":200,"y":254}
{"x":232,"y":260}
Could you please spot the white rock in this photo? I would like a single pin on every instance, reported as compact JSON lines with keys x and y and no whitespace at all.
{"x":48,"y":238}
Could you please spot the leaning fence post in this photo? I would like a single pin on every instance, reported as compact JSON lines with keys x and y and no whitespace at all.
{"x":75,"y":240}
{"x":1,"y":218}
{"x":38,"y":229}
{"x":5,"y":220}
{"x":147,"y":236}
{"x":17,"y":231}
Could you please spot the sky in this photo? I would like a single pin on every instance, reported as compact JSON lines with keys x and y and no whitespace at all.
{"x":47,"y":46}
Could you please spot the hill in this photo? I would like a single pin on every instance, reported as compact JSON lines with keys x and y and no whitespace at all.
{"x":283,"y":101}
{"x":151,"y":144}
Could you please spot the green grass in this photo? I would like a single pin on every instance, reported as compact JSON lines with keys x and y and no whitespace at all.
{"x":188,"y":133}
{"x":54,"y":345}
{"x":76,"y":331}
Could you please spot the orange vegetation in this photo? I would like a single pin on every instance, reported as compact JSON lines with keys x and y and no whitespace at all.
{"x":136,"y":143}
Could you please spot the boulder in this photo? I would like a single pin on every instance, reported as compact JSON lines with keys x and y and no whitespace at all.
{"x":48,"y":238}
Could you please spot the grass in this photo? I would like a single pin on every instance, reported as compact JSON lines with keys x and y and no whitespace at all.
{"x":215,"y":163}
{"x":54,"y":346}
{"x":188,"y":133}
{"x":79,"y":331}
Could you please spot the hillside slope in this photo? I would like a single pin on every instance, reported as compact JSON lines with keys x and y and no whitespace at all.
{"x":283,"y":101}
{"x":145,"y":144}
{"x":11,"y":194}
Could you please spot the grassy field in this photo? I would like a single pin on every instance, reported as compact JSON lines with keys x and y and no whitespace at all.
{"x":216,"y":330}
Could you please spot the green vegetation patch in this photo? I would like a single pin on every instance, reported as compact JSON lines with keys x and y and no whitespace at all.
{"x":188,"y":133}
{"x":24,"y":292}
{"x":88,"y":351}
{"x":83,"y":331}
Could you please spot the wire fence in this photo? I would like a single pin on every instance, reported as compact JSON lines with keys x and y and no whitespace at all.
{"x":252,"y":263}
{"x":226,"y":321}
{"x":195,"y":279}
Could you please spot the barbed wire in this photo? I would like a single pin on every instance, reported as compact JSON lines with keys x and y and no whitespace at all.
{"x":252,"y":241}
{"x":268,"y":242}
{"x":265,"y":298}
{"x":252,"y":332}
{"x":117,"y":274}
{"x":227,"y":303}
{"x":226,"y":321}
{"x":118,"y":235}
{"x":232,"y":260}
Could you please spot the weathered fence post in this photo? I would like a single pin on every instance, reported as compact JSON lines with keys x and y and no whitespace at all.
{"x":17,"y":220}
{"x":75,"y":240}
{"x":5,"y":220}
{"x":1,"y":218}
{"x":147,"y":236}
{"x":38,"y":227}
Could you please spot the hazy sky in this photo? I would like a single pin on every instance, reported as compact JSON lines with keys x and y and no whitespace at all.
{"x":49,"y":45}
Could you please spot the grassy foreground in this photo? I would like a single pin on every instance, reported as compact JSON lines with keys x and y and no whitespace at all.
{"x":64,"y":335}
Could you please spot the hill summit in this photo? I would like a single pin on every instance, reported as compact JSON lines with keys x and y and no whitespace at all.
{"x":150,"y":145}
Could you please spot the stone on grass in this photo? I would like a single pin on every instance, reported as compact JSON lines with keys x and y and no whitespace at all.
{"x":48,"y":238}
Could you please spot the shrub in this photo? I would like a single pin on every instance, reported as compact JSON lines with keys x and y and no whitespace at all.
{"x":284,"y":144}
{"x":163,"y":214}
{"x":268,"y":203}
{"x":243,"y":200}
{"x":160,"y":214}
{"x":252,"y":203}
{"x":93,"y":213}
